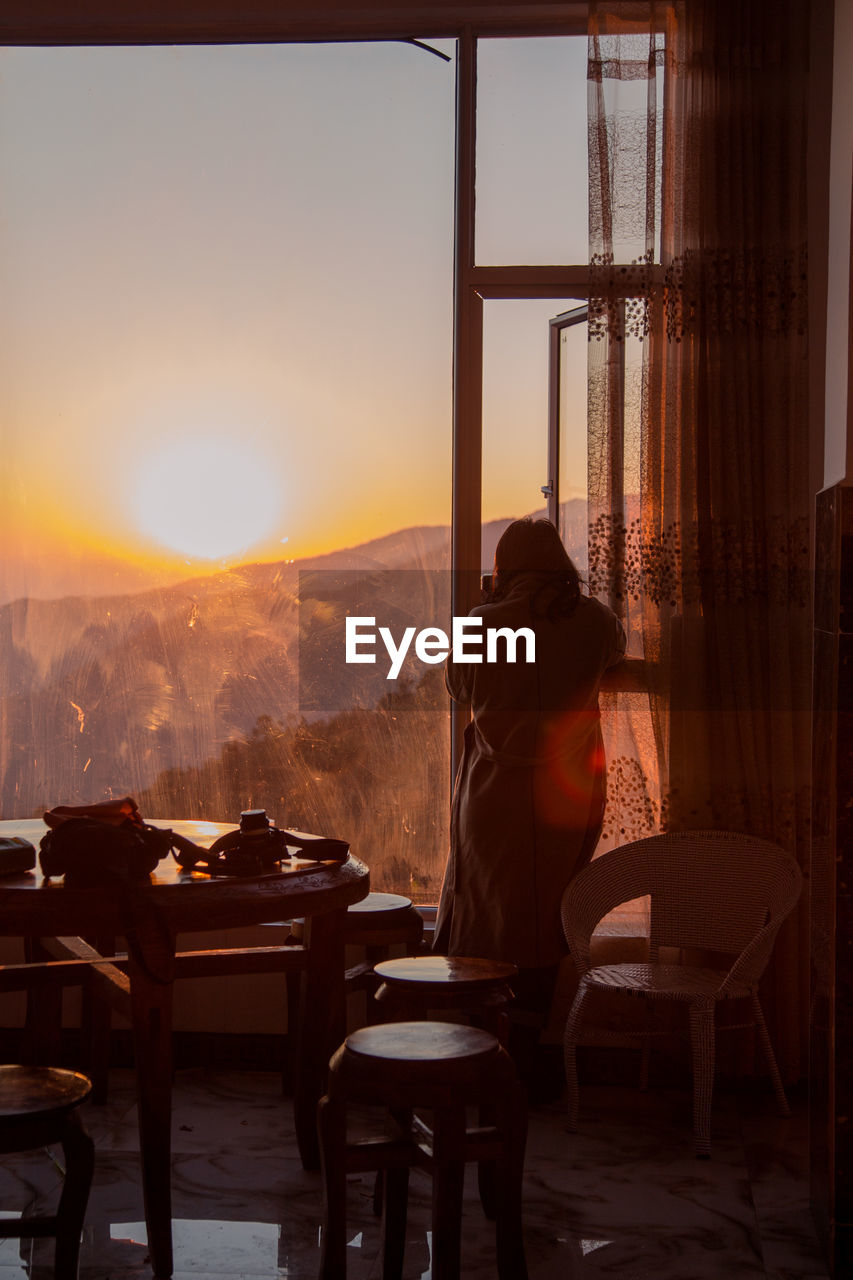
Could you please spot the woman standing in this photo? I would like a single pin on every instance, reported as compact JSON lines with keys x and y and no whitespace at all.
{"x":529,"y":798}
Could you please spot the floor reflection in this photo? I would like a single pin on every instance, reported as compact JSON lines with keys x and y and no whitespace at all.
{"x":623,"y":1198}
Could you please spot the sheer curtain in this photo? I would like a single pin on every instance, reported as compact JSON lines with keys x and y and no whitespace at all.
{"x":699,"y":278}
{"x":625,"y":85}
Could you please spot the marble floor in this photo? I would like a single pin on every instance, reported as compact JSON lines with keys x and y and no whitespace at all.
{"x":623,"y":1198}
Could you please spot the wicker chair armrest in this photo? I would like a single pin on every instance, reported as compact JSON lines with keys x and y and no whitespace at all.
{"x":579,"y":939}
{"x":752,"y":961}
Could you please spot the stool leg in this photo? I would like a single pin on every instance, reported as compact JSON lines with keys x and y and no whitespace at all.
{"x":378,"y":1193}
{"x":509,"y":1176}
{"x":486,"y":1172}
{"x":331,"y":1125}
{"x":395,"y":1205}
{"x":496,"y":1021}
{"x":402,"y":1117}
{"x":372,"y":1012}
{"x":447,"y":1184}
{"x":79,"y":1164}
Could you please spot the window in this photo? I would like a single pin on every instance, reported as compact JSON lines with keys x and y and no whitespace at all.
{"x":226,"y":335}
{"x":244,"y":253}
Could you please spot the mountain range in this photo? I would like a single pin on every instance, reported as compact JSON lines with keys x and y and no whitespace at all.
{"x":101,"y":694}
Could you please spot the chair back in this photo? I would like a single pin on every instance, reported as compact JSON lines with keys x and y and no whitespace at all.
{"x":712,"y":890}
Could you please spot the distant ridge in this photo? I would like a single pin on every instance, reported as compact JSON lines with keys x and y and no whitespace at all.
{"x":390,"y":550}
{"x":424,"y":545}
{"x":107,"y":692}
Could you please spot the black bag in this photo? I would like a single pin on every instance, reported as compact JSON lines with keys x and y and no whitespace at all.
{"x":94,"y":844}
{"x":109,"y":846}
{"x":90,"y":852}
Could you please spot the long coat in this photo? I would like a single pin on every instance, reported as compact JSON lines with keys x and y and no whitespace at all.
{"x":529,"y":797}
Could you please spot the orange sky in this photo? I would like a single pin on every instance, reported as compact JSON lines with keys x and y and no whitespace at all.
{"x":255,"y":244}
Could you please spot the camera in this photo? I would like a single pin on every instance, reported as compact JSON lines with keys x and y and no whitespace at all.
{"x":257,"y":848}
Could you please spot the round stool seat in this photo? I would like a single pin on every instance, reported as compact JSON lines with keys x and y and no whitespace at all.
{"x":38,"y":1092}
{"x":433,"y":1062}
{"x":417,"y":986}
{"x":447,"y":973}
{"x":423,"y":1051}
{"x":378,"y":909}
{"x":391,"y":917}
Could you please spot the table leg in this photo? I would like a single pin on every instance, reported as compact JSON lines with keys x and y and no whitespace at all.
{"x":151,"y":1009}
{"x":44,"y":1013}
{"x":322,"y":1026}
{"x":95,"y":1027}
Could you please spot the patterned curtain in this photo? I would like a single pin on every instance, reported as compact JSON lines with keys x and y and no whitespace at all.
{"x":625,"y":101}
{"x":699,"y":451}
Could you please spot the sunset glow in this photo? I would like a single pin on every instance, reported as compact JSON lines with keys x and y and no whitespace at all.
{"x":206,"y":498}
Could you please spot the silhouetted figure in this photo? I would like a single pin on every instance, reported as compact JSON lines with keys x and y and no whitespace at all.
{"x":529,"y":798}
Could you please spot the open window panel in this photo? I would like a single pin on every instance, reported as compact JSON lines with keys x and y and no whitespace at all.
{"x":632,"y":783}
{"x":516,"y":477}
{"x":566,"y":487}
{"x":538,"y":365}
{"x":579,"y":470}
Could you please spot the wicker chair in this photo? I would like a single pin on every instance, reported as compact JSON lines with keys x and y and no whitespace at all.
{"x":711,"y":890}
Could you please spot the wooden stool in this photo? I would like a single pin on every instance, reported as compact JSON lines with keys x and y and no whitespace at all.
{"x":37,"y":1108}
{"x":413,"y":986}
{"x":383,"y":919}
{"x":377,"y":923}
{"x":442,"y":1067}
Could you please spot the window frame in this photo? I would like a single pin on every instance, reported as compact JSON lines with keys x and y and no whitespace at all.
{"x":474,"y":284}
{"x":566,"y":320}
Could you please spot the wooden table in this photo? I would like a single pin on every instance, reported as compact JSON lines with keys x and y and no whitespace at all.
{"x":31,"y":907}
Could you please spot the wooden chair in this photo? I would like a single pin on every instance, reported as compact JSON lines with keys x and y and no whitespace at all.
{"x":38,"y":1107}
{"x":442,"y":1067}
{"x":709,"y":890}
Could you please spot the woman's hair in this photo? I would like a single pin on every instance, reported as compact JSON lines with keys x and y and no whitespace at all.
{"x":534,"y":546}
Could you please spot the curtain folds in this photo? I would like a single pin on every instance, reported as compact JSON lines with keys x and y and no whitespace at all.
{"x":699,"y":467}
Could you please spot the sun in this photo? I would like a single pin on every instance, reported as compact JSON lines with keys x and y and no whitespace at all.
{"x":206,"y":498}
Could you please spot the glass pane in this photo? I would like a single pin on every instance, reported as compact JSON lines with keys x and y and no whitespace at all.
{"x":573,"y":435}
{"x":515,"y":414}
{"x":531,"y":151}
{"x":206,"y":382}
